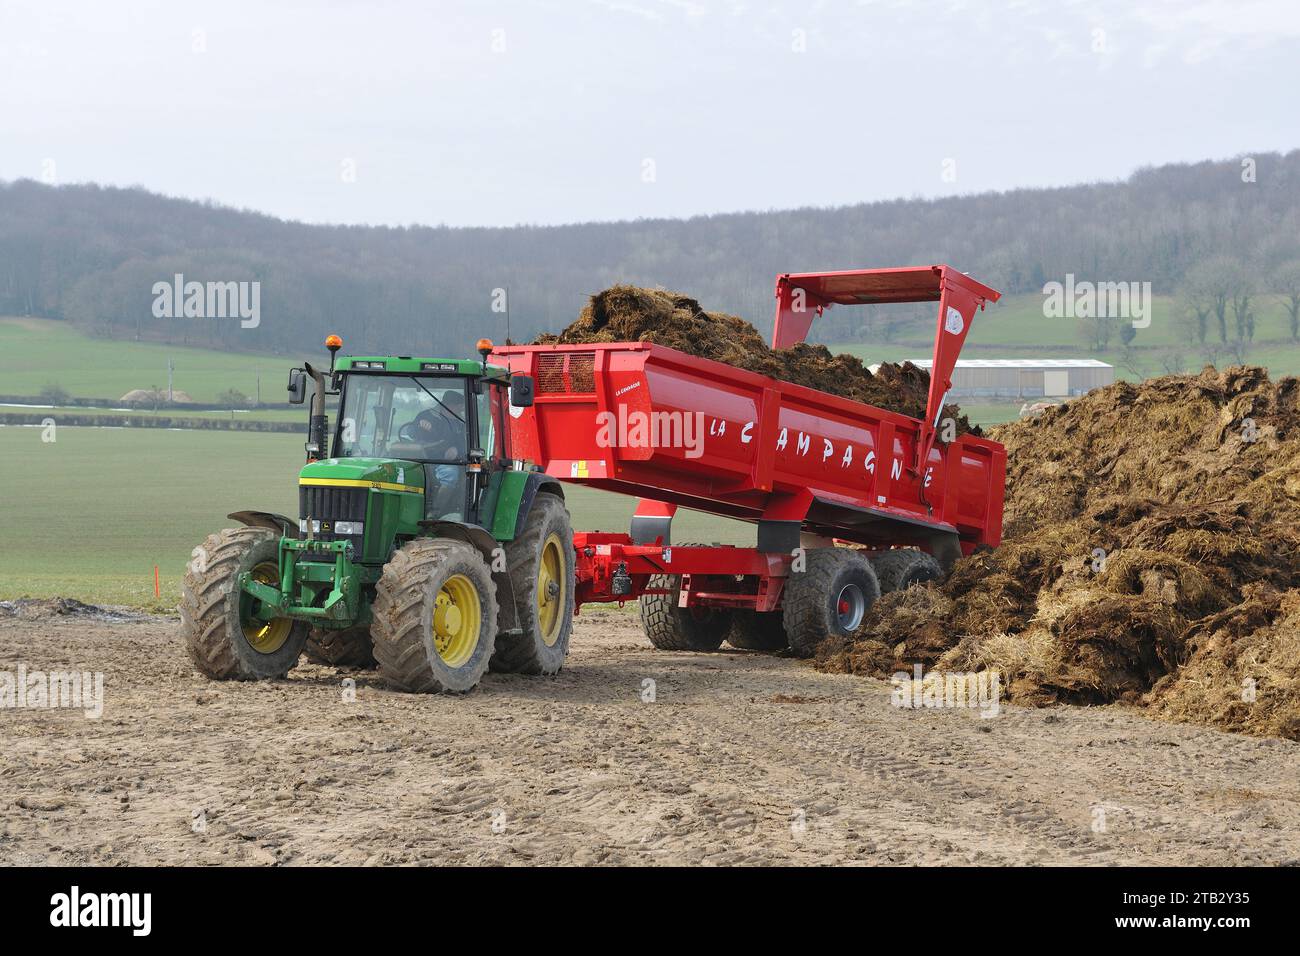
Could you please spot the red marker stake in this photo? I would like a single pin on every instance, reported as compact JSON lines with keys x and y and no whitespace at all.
{"x":157,"y":591}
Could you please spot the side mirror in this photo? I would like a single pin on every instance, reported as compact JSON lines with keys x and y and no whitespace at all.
{"x":297,"y":386}
{"x":521,"y":391}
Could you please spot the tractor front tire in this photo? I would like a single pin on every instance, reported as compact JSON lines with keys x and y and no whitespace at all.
{"x":351,"y":647}
{"x":673,"y":628}
{"x":541,"y":565}
{"x":900,"y":568}
{"x":758,"y":631}
{"x":829,"y":597}
{"x":222,"y":636}
{"x":434,"y":617}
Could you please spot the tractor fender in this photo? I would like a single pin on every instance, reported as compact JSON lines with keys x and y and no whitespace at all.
{"x":538,"y":483}
{"x":490,"y":548}
{"x":266,"y":519}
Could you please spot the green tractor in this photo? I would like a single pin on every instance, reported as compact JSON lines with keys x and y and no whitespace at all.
{"x":420,"y":544}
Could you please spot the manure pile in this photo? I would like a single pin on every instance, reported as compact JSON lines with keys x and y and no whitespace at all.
{"x":1151,"y":555}
{"x":625,"y":313}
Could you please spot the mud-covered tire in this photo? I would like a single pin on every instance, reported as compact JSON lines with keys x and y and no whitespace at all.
{"x":757,"y":631}
{"x":403,"y":623}
{"x":673,"y":628}
{"x":211,"y":625}
{"x":901,"y":568}
{"x":544,"y":547}
{"x":352,"y":647}
{"x":815,"y":597}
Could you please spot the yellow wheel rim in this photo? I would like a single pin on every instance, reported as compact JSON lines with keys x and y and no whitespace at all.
{"x":457,"y":620}
{"x":265,"y":637}
{"x":551,"y":583}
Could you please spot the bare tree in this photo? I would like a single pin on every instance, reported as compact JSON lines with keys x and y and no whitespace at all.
{"x":1173,"y":361}
{"x":1242,"y":288}
{"x":1286,"y":282}
{"x":1214,"y":283}
{"x":1193,"y":311}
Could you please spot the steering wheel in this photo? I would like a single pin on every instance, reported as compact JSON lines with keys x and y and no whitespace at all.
{"x":403,"y":434}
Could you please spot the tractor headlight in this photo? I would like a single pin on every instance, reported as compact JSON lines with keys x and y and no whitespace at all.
{"x":302,"y":526}
{"x":349,"y":527}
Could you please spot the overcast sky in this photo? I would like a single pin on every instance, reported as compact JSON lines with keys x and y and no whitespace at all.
{"x":496,"y":113}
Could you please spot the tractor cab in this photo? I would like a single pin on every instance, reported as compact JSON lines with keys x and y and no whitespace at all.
{"x":443,"y":423}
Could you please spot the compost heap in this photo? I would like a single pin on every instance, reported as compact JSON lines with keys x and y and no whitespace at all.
{"x":1150,"y":555}
{"x":625,"y":313}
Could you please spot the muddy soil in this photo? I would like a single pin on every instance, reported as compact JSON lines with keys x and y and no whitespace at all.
{"x":741,"y":758}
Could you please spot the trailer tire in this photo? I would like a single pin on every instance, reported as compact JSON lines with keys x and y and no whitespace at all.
{"x":434,"y":617}
{"x":829,"y":597}
{"x":352,"y":647}
{"x":758,"y":631}
{"x":219,"y":636}
{"x":541,"y":557}
{"x":673,"y":628}
{"x":900,"y":568}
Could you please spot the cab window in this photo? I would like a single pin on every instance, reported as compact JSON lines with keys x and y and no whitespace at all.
{"x":394,"y":416}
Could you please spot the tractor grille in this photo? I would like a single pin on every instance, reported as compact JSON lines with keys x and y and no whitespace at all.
{"x":320,"y":503}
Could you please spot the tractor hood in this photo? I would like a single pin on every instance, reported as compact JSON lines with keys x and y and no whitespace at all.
{"x":384,"y":473}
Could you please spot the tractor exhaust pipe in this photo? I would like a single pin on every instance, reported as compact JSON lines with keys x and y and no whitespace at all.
{"x":317,"y":424}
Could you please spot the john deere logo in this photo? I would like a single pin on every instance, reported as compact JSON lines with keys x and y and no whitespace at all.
{"x":324,"y":525}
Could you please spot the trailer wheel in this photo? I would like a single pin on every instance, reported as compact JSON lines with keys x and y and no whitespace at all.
{"x":901,"y":568}
{"x":673,"y":628}
{"x":352,"y":647}
{"x":435,"y":617}
{"x":758,"y":631}
{"x":223,"y":636}
{"x":541,"y":566}
{"x":829,"y":597}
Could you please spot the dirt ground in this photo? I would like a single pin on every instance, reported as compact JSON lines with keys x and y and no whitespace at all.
{"x":740,"y":758}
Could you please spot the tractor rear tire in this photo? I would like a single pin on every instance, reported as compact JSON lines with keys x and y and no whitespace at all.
{"x":223,"y":639}
{"x":900,"y":568}
{"x":829,"y":597}
{"x":758,"y":631}
{"x":673,"y":628}
{"x":434,"y":617}
{"x":352,"y":647}
{"x":541,"y":564}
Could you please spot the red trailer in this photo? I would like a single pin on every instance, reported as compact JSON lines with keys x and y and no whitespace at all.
{"x":808,"y":468}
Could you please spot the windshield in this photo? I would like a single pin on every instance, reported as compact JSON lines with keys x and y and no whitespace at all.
{"x":394,"y":416}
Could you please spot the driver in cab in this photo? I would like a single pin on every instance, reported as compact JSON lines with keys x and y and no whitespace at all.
{"x":441,"y":430}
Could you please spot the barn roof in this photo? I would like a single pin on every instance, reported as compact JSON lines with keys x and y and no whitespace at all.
{"x":1020,"y":363}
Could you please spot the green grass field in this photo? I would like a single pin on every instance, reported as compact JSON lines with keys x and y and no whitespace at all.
{"x":90,"y":514}
{"x":37,"y":352}
{"x":261,"y":414}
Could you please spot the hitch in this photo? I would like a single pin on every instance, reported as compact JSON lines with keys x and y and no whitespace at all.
{"x":302,"y":582}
